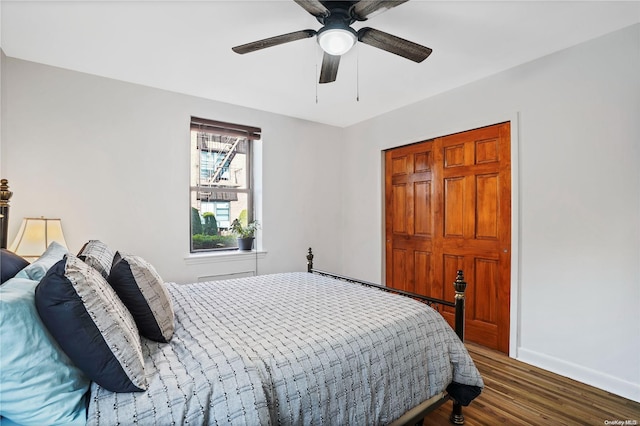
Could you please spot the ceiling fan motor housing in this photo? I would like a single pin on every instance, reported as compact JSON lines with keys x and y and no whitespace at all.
{"x":336,"y":37}
{"x":339,"y":13}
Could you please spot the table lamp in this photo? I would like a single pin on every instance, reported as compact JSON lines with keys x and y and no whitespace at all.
{"x":35,"y":235}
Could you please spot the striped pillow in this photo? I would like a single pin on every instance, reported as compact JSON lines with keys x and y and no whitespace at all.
{"x":91,"y":325}
{"x":143,"y":292}
{"x":98,"y":255}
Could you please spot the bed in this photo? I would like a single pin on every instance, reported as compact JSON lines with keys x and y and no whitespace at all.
{"x":292,"y":348}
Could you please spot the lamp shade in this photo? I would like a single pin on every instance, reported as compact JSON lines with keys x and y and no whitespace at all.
{"x":35,"y":235}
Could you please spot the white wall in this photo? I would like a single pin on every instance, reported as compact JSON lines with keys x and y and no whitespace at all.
{"x":112,"y":160}
{"x":577,"y":201}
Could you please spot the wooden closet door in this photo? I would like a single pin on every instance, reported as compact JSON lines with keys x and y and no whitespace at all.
{"x":410,"y":219}
{"x":448,"y":207}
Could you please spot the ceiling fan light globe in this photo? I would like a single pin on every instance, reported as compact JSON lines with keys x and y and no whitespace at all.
{"x":336,"y":41}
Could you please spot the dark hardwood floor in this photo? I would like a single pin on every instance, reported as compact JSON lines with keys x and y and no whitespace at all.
{"x":519,"y":394}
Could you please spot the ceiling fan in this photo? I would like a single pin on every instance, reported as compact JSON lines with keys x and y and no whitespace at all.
{"x":336,"y":36}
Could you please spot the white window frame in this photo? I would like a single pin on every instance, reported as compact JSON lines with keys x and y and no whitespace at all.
{"x":251,"y":134}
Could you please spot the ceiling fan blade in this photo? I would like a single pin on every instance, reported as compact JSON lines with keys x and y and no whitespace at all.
{"x":365,"y":8}
{"x":314,"y":7}
{"x":390,"y":43}
{"x":273,"y":41}
{"x":329,"y":70}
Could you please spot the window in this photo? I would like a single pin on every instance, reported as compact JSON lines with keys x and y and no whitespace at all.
{"x":221,"y":182}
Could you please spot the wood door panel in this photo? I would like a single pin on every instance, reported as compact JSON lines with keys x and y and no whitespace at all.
{"x":484,"y":301}
{"x":423,"y":217}
{"x":422,"y":162}
{"x":487,"y":151}
{"x":454,"y":214}
{"x":451,"y":264}
{"x":485,"y":333}
{"x":454,"y":156}
{"x":448,"y":207}
{"x":399,"y":267}
{"x":399,"y":166}
{"x":423,"y":275}
{"x":487,"y":206}
{"x":399,"y":205}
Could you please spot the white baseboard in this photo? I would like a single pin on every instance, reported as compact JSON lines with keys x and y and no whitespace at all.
{"x":582,"y":374}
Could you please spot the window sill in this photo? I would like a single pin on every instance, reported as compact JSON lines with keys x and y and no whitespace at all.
{"x":223,"y":256}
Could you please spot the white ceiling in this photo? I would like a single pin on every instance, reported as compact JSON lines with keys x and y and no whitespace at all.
{"x":185,"y":46}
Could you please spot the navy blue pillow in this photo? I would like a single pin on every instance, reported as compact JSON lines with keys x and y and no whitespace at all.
{"x":91,"y":325}
{"x":10,"y":264}
{"x":143,"y":292}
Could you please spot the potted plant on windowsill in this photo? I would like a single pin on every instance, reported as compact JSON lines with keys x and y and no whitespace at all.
{"x":245,"y":233}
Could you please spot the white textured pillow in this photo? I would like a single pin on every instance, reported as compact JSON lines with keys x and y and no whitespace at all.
{"x":93,"y":327}
{"x":143,"y":292}
{"x":98,"y":255}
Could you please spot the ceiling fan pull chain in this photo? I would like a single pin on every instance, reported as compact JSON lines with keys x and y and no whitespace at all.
{"x":357,"y":74}
{"x":316,"y":76}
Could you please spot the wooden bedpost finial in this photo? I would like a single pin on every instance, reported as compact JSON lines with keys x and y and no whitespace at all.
{"x":460,"y":285}
{"x":309,"y":261}
{"x":5,"y":194}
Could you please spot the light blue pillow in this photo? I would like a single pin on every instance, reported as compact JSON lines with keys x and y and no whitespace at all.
{"x":54,"y":253}
{"x":6,"y":422}
{"x":38,"y":383}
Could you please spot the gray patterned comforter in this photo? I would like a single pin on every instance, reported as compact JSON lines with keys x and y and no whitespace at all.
{"x":290,"y":349}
